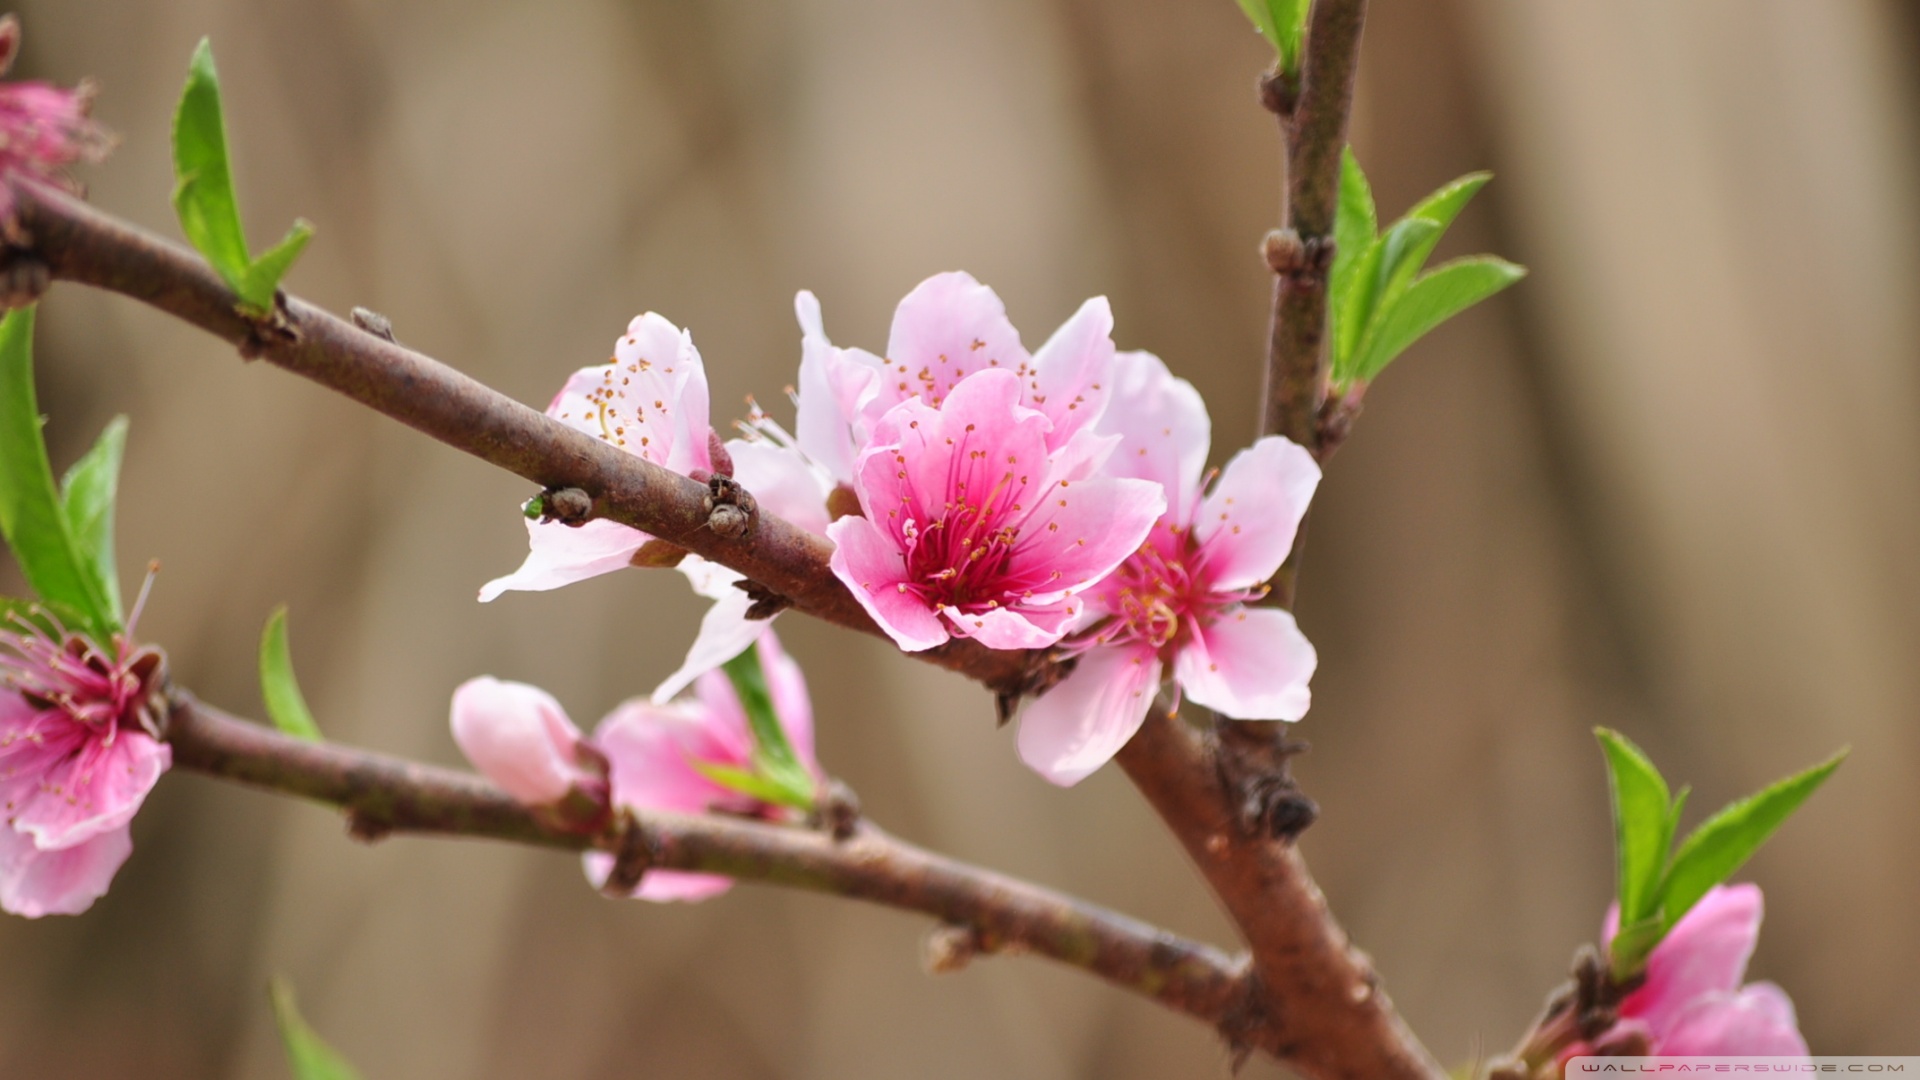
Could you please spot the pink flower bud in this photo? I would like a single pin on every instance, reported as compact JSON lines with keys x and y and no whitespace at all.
{"x":519,"y":737}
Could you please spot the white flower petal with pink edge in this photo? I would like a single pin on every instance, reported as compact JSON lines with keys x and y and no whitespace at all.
{"x":519,"y":737}
{"x":1078,"y":725}
{"x":649,"y":400}
{"x":1072,"y":374}
{"x":1246,"y":524}
{"x":1249,"y":664}
{"x":563,"y":554}
{"x":35,"y":883}
{"x":1163,"y":429}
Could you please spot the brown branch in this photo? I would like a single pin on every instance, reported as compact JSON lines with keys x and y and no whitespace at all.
{"x":384,"y":795}
{"x":80,"y":243}
{"x":1329,"y":1015}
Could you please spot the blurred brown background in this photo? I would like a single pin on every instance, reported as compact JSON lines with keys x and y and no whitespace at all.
{"x":1667,"y":484}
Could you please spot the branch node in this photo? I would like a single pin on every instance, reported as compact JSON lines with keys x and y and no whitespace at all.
{"x":569,"y":506}
{"x":730,"y":507}
{"x":766,"y":602}
{"x":950,"y":947}
{"x":632,"y":855}
{"x":24,"y":277}
{"x":1305,"y":261}
{"x":267,"y":332}
{"x":374,"y":323}
{"x":1279,"y":92}
{"x":838,"y":811}
{"x":366,"y":828}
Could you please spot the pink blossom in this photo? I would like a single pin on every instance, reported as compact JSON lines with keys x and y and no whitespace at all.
{"x":950,"y":326}
{"x":650,"y":400}
{"x":974,"y":526}
{"x":519,"y":737}
{"x":1692,"y":1002}
{"x":1179,"y":602}
{"x":77,"y":758}
{"x":654,"y":753}
{"x":785,"y":483}
{"x":43,"y":128}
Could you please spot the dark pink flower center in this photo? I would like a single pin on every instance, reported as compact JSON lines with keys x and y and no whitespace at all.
{"x":1163,"y":592}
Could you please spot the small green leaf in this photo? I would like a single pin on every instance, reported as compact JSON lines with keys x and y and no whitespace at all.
{"x":286,"y":707}
{"x":203,"y":180}
{"x":263,"y":277}
{"x":1361,"y":317}
{"x":1427,"y":303}
{"x":1642,"y":824}
{"x":754,"y":785}
{"x":1355,"y":224}
{"x":1631,"y":945}
{"x":1403,"y":248}
{"x":33,"y":519}
{"x":308,"y":1056}
{"x":1725,"y":841}
{"x":87,"y":492}
{"x":204,"y":199}
{"x":1283,"y":23}
{"x":773,"y":757}
{"x":1439,"y":208}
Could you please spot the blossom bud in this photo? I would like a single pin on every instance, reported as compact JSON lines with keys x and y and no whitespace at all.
{"x":519,"y":737}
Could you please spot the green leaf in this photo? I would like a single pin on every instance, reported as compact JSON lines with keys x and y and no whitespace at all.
{"x":1439,"y":208}
{"x":308,"y":1056}
{"x":1355,"y":223}
{"x":1642,"y":824}
{"x":1427,"y":303}
{"x":1632,"y":944}
{"x":203,"y":180}
{"x":773,"y":757}
{"x":286,"y":707}
{"x":1725,"y":841}
{"x":203,"y":195}
{"x":754,"y":785}
{"x":87,"y":493}
{"x":1371,"y":274}
{"x":1283,"y":23}
{"x":263,"y":277}
{"x":33,"y":519}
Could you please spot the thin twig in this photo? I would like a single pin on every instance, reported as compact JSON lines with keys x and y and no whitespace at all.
{"x":80,"y":243}
{"x":384,"y":795}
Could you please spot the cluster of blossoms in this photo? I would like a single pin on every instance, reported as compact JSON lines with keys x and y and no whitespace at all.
{"x":78,"y":754}
{"x":1053,"y":499}
{"x":645,"y":756}
{"x":1692,"y":1001}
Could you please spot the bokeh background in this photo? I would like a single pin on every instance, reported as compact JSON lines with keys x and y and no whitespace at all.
{"x":1671,"y":483}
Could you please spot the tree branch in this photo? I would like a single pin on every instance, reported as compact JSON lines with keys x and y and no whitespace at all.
{"x":80,"y":243}
{"x":383,"y":795}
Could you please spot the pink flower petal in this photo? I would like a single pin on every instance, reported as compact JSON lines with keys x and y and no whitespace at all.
{"x":1246,"y":524}
{"x":1163,"y":428}
{"x":519,"y":737}
{"x":1073,"y":372}
{"x":1004,"y":628}
{"x":1757,"y":1021}
{"x":650,"y":750}
{"x":791,"y":702}
{"x":1250,"y":664}
{"x":1706,"y":952}
{"x":563,"y":554}
{"x":950,"y":326}
{"x":1076,"y":727}
{"x":1080,"y":532}
{"x":93,"y":791}
{"x":34,"y":883}
{"x":871,"y":565}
